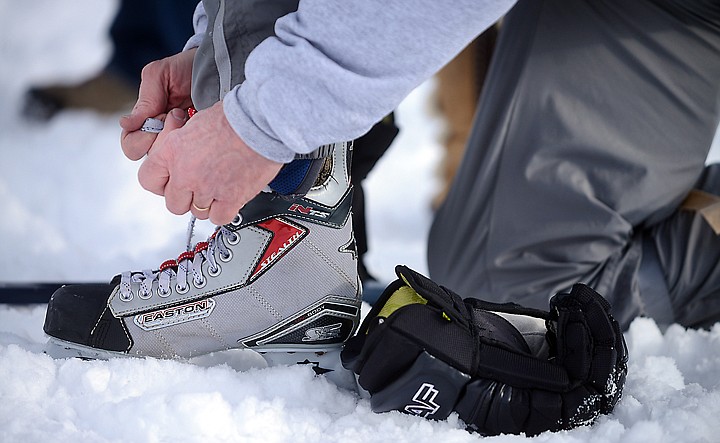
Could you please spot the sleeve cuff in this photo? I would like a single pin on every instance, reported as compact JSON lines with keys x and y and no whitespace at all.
{"x":194,"y":41}
{"x":200,"y":22}
{"x":251,"y":134}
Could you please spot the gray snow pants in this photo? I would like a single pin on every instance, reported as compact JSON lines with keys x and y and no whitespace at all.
{"x":594,"y":125}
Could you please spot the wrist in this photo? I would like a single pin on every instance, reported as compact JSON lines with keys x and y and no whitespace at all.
{"x":253,"y":136}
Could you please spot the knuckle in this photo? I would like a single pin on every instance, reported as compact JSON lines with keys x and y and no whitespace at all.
{"x":146,"y":184}
{"x":174,"y":210}
{"x":174,"y":207}
{"x":142,"y":103}
{"x":150,"y":69}
{"x":222,"y":214}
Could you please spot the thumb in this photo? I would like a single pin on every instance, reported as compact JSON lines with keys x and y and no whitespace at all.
{"x":175,"y":119}
{"x":144,"y":109}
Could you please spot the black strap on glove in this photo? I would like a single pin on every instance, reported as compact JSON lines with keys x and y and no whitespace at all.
{"x":503,"y":368}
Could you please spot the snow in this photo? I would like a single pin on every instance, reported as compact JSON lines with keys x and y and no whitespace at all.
{"x":672,"y":395}
{"x":72,"y":210}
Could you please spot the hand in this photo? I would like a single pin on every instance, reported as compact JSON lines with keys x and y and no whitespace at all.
{"x":204,"y":164}
{"x":165,"y":85}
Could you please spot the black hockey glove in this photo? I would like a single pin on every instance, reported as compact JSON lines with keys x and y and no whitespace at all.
{"x":503,"y":368}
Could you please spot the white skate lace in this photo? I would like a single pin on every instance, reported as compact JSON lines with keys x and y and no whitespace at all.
{"x":185,"y":269}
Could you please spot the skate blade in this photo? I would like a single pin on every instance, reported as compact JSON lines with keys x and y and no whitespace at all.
{"x":59,"y":349}
{"x":324,"y":363}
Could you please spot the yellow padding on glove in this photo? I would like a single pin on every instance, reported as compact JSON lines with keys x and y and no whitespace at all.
{"x":402,"y":297}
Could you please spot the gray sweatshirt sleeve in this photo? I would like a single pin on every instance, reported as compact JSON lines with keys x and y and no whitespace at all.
{"x":337,"y":67}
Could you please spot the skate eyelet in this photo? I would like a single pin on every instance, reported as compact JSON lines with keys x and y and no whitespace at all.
{"x":234,"y":240}
{"x":182,"y":289}
{"x":144,"y":294}
{"x":214,"y":272}
{"x":127,"y":297}
{"x":237,"y":220}
{"x":163,"y":292}
{"x":200,"y":284}
{"x":226,"y":257}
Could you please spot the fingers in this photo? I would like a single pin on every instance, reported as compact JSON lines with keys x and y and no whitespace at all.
{"x":180,"y":202}
{"x":177,"y":200}
{"x":135,"y":144}
{"x":221,"y":213}
{"x":155,"y":97}
{"x":153,"y":175}
{"x":200,"y":206}
{"x":175,"y":119}
{"x":134,"y":121}
{"x":152,"y":102}
{"x":152,"y":96}
{"x":206,"y":164}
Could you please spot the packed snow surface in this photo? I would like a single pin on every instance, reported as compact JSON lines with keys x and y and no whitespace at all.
{"x":672,"y":395}
{"x":72,"y":210}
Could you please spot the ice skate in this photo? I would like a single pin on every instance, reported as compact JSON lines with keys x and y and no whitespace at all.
{"x":281,"y":280}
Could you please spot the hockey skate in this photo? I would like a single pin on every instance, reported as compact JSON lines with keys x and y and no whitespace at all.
{"x":281,"y":280}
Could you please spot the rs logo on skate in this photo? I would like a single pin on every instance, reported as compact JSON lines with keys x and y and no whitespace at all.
{"x":308,"y":210}
{"x":175,"y":315}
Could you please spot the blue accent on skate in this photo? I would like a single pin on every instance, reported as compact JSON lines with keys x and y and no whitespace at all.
{"x":291,"y":176}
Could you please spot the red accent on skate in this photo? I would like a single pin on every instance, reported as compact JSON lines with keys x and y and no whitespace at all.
{"x":299,"y":208}
{"x":285,"y":236}
{"x":191,"y":111}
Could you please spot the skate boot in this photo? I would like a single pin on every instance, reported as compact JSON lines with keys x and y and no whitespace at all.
{"x":281,"y":279}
